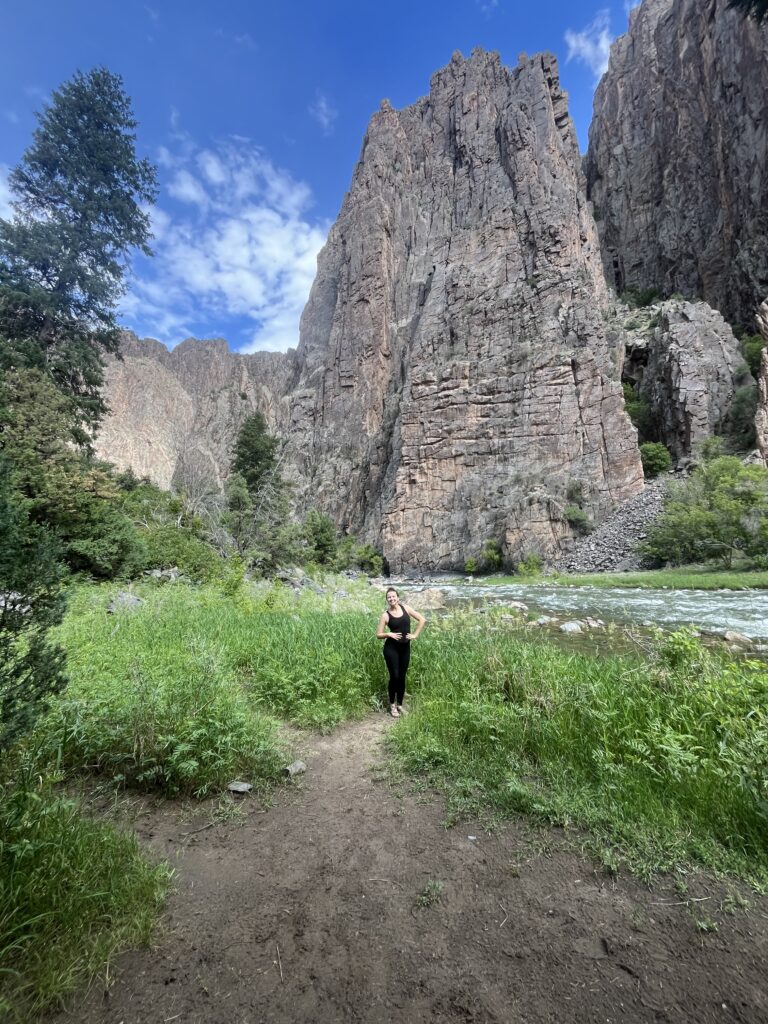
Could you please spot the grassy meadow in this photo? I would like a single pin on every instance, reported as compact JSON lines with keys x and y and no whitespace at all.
{"x":691,"y":577}
{"x":655,"y":760}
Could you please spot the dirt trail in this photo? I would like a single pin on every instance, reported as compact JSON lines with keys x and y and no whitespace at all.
{"x":330,"y":876}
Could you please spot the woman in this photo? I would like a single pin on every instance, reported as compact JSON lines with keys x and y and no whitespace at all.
{"x":395,"y":630}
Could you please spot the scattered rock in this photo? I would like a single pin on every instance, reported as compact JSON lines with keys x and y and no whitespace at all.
{"x":594,"y":623}
{"x":239,"y":787}
{"x":430,"y":599}
{"x":571,"y":627}
{"x":518,"y":606}
{"x":123,"y":602}
{"x":544,"y":620}
{"x":172,"y":575}
{"x":732,"y":637}
{"x":295,"y":768}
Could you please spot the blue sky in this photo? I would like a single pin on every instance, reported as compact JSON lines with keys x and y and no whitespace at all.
{"x":255,"y":113}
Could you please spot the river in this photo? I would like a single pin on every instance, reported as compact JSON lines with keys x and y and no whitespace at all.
{"x":711,"y":611}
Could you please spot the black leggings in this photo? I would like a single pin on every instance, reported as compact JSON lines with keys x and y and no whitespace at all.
{"x":397,"y":655}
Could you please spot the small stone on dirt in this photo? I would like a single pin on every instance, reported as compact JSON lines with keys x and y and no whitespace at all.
{"x":239,"y":787}
{"x":295,"y":768}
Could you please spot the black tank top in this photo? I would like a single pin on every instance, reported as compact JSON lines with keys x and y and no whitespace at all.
{"x":400,"y":624}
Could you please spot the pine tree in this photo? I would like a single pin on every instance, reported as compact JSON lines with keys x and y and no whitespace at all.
{"x":80,"y":194}
{"x":254,"y":456}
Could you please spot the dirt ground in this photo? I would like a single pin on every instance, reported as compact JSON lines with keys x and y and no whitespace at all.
{"x":309,"y":911}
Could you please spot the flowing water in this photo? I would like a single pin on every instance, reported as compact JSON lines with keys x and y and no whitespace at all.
{"x":744,"y":611}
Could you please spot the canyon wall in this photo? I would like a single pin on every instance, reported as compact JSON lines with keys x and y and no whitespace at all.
{"x":455,"y":372}
{"x":677,"y":166}
{"x":174,"y":415}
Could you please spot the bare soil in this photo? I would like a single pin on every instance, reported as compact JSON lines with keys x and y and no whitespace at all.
{"x":310,"y":911}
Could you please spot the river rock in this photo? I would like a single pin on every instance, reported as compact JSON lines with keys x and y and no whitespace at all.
{"x":295,"y":768}
{"x":571,"y":627}
{"x":738,"y":639}
{"x":429,"y":599}
{"x":677,"y":165}
{"x":240,"y":788}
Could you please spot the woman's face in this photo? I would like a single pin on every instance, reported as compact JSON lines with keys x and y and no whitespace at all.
{"x":392,"y":598}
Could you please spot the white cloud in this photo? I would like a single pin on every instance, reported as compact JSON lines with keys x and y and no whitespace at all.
{"x":322,"y":111}
{"x":592,"y":44}
{"x":5,"y":193}
{"x":487,"y":6}
{"x":243,"y":248}
{"x":12,"y":116}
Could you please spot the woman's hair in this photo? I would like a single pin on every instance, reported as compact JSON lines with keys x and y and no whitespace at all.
{"x":391,"y":590}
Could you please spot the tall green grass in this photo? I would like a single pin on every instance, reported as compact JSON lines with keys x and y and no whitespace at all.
{"x":664,"y":760}
{"x":73,"y":892}
{"x":178,"y":694}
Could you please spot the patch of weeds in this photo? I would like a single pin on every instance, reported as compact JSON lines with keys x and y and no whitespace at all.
{"x":733,"y":902}
{"x":228,"y":810}
{"x":706,"y":924}
{"x":429,"y":895}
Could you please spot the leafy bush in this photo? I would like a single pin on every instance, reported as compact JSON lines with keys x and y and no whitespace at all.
{"x":740,"y":425}
{"x":721,"y":509}
{"x":752,"y":346}
{"x":578,"y":519}
{"x":491,"y":556}
{"x":471,"y":566}
{"x":638,"y":298}
{"x":574,"y":492}
{"x":655,"y":458}
{"x":531,"y":565}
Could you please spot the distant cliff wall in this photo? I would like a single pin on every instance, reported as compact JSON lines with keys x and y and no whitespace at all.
{"x":677,"y":166}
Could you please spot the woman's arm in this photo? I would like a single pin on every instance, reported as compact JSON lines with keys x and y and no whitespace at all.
{"x":381,"y":631}
{"x":419,"y":619}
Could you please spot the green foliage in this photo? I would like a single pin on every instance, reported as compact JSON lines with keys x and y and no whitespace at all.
{"x":79,"y":194}
{"x":655,"y":458}
{"x":757,"y":9}
{"x":491,"y":555}
{"x":73,"y":892}
{"x":350,"y":554}
{"x":638,"y":298}
{"x":720,"y":510}
{"x":254,"y":456}
{"x":740,"y":426}
{"x":578,"y":519}
{"x":31,"y":602}
{"x":663,"y":759}
{"x":471,"y":566}
{"x":752,"y":346}
{"x":60,"y":488}
{"x":574,"y":492}
{"x":319,"y":533}
{"x":157,"y":704}
{"x":530,"y":566}
{"x":638,"y":408}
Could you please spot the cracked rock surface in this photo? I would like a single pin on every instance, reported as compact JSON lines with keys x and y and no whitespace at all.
{"x":677,"y":166}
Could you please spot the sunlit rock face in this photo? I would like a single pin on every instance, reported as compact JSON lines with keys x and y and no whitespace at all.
{"x":174,"y":415}
{"x":455,"y":371}
{"x":677,"y":166}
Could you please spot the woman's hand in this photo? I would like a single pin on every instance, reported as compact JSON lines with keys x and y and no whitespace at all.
{"x":410,"y":636}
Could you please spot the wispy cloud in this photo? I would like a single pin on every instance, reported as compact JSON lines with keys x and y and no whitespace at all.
{"x":243,"y":39}
{"x":323,"y":112}
{"x":12,"y":116}
{"x":592,"y":44}
{"x":152,"y":14}
{"x":487,"y":6}
{"x":237,"y":248}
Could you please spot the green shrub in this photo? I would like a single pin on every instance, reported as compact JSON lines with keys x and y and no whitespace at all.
{"x":471,"y":566}
{"x":578,"y":519}
{"x":740,"y":425}
{"x":531,"y":565}
{"x":638,"y":408}
{"x":655,"y":457}
{"x":752,"y":346}
{"x":574,"y":492}
{"x":167,"y":545}
{"x":73,"y":892}
{"x":491,"y":556}
{"x":638,"y":298}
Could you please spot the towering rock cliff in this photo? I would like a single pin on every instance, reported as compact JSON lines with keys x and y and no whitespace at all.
{"x":174,"y":415}
{"x":677,"y":166}
{"x":455,"y":373}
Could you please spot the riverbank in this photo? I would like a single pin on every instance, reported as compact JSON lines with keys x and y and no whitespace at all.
{"x":640,"y":759}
